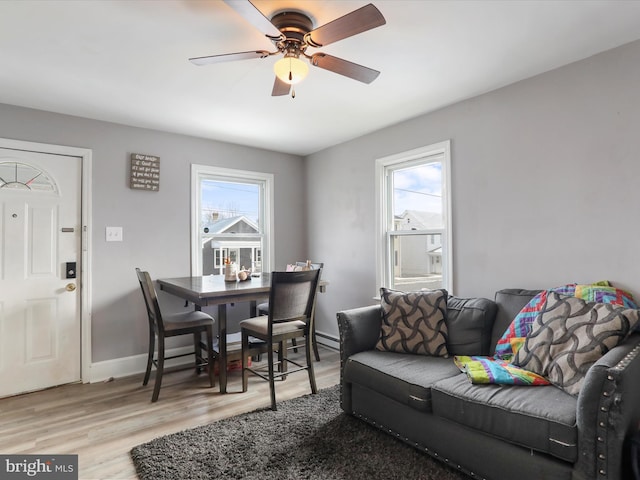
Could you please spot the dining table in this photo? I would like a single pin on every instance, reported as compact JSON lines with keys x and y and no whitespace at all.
{"x":214,"y":290}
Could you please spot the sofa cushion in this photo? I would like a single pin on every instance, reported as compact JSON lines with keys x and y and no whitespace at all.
{"x":599,"y":292}
{"x":469,"y":323}
{"x":540,"y":418}
{"x":510,"y":301}
{"x":414,"y":322}
{"x":569,"y":335}
{"x":514,"y":336}
{"x":404,"y":377}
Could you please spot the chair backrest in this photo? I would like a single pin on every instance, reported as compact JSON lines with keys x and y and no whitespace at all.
{"x":150,"y":301}
{"x":293,"y":296}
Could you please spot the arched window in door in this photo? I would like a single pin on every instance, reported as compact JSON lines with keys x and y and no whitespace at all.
{"x":22,"y":176}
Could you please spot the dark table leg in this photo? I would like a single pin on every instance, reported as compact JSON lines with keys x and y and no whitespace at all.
{"x":222,"y":342}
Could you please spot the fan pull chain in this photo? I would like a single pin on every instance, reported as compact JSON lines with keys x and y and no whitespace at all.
{"x":293,"y":92}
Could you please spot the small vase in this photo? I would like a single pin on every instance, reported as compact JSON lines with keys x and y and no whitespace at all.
{"x":230,"y":274}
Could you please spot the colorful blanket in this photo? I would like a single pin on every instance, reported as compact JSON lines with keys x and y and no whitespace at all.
{"x":491,"y":370}
{"x":600,"y":292}
{"x":515,"y":335}
{"x":498,"y":369}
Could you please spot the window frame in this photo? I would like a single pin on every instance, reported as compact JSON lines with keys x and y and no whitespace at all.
{"x":265,"y":180}
{"x":384,"y":211}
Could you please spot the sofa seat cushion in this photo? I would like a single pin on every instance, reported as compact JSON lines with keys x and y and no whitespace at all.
{"x":404,"y":377}
{"x":540,"y":418}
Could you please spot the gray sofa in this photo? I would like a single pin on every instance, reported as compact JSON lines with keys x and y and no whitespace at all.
{"x":492,"y":432}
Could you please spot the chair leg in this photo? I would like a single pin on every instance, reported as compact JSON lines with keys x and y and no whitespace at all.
{"x":245,"y":363}
{"x":272,"y":386}
{"x":159,"y":370}
{"x":210,"y":357}
{"x":294,"y":343}
{"x":197,"y":336}
{"x":282,"y":357}
{"x":312,"y":377}
{"x":315,"y":344}
{"x":152,"y":344}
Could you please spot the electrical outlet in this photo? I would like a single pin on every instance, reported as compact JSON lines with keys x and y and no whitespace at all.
{"x":114,"y":234}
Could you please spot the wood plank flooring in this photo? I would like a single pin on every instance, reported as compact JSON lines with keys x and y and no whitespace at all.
{"x":101,"y":422}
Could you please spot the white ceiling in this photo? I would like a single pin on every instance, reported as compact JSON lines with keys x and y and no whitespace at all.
{"x":126,"y":62}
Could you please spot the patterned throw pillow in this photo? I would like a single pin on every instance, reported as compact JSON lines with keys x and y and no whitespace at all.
{"x":514,"y":336}
{"x":569,"y":335}
{"x":601,"y":292}
{"x":414,"y":322}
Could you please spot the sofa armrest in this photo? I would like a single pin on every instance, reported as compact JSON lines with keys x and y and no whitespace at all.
{"x":359,"y":331}
{"x":608,"y":413}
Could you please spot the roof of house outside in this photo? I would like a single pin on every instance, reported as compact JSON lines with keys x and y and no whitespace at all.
{"x":419,"y":220}
{"x":226,"y":225}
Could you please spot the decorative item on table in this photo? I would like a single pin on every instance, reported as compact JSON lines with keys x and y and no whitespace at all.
{"x":230,"y":271}
{"x":244,"y":274}
{"x":299,"y":268}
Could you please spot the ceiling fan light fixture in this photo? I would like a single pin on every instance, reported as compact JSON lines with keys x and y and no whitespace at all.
{"x":292,"y":33}
{"x":291,"y":69}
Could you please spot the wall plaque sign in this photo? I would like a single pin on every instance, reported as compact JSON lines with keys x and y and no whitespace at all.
{"x":145,"y":172}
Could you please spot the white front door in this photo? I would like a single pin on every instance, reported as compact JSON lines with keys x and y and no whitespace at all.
{"x":40,"y":231}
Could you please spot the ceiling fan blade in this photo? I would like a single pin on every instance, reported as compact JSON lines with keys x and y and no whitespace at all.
{"x":358,"y":21}
{"x":344,"y":67}
{"x":255,"y":17}
{"x":229,"y":57}
{"x":280,"y":88}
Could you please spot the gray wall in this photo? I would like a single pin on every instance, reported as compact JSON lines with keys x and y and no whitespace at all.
{"x":544,"y":193}
{"x":156,"y":224}
{"x":545,"y":186}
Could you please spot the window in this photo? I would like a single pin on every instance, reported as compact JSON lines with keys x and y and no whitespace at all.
{"x":22,"y":176}
{"x":414,"y":219}
{"x":231,"y":219}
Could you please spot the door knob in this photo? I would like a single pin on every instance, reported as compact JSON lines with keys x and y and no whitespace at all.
{"x":70,"y":287}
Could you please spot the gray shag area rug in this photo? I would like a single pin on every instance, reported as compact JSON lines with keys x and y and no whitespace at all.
{"x":309,"y":437}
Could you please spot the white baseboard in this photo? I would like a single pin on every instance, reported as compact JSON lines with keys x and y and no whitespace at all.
{"x":137,"y":364}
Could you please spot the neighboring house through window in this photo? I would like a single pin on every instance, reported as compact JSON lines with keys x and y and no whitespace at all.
{"x":231,"y":219}
{"x":414,"y":219}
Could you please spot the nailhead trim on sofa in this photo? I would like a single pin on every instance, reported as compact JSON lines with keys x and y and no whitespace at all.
{"x":606,"y":402}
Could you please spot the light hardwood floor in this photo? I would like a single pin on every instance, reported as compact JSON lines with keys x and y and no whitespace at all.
{"x":101,"y":422}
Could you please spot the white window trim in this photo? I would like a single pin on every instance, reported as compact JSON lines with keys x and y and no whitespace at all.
{"x":197,"y":171}
{"x":383,"y":255}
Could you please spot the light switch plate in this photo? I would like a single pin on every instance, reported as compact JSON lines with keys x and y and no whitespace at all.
{"x":114,"y":234}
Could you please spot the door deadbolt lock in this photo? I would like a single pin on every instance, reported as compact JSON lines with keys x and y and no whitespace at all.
{"x":71,"y":270}
{"x":70,"y":287}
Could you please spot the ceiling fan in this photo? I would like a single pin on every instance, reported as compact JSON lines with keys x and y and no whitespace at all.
{"x":292,"y":33}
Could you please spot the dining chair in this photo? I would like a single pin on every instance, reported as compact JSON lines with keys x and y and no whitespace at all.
{"x":291,"y":305}
{"x":263,"y":309}
{"x":171,"y":325}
